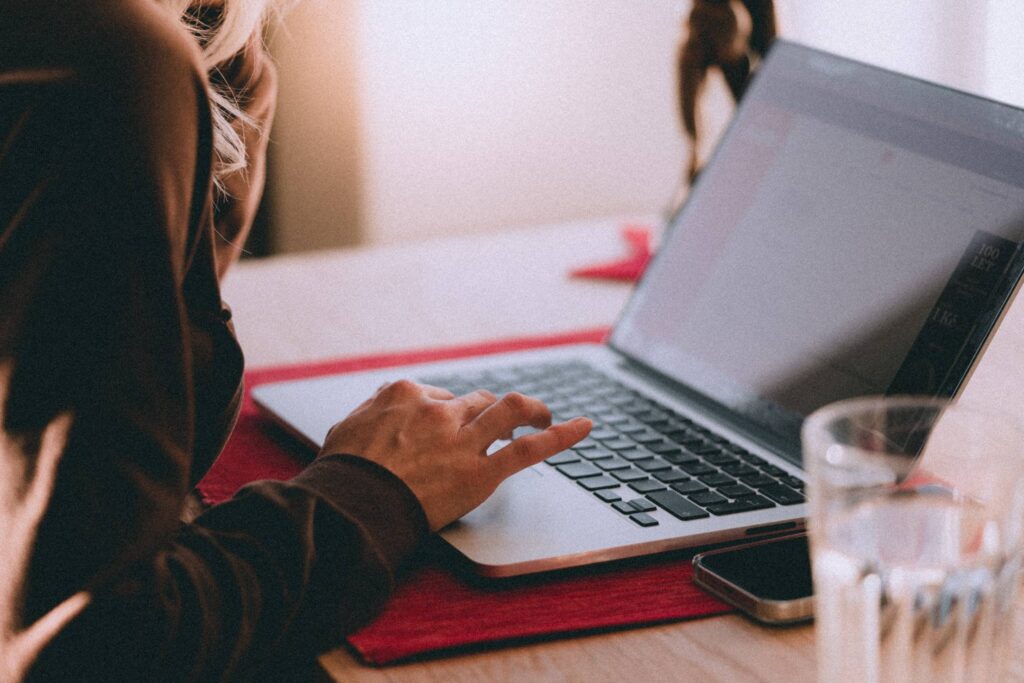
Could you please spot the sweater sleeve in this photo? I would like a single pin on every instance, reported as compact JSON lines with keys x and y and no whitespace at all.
{"x":103,"y":174}
{"x":274,"y":576}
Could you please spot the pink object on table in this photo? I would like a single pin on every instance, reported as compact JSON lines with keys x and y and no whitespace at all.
{"x":436,"y":610}
{"x":629,"y":268}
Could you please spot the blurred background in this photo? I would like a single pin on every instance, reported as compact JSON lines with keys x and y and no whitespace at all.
{"x":402,"y":120}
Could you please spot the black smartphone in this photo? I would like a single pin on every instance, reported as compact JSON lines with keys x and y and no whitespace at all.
{"x":769,"y":580}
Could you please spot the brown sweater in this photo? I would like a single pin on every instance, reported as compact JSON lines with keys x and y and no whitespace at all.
{"x":111,"y":233}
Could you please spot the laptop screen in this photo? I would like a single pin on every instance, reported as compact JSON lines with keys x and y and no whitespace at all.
{"x":855,"y":233}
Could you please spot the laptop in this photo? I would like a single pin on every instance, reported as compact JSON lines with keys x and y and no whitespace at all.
{"x":857,"y":232}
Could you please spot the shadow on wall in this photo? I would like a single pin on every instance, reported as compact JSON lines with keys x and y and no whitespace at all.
{"x":315,"y":177}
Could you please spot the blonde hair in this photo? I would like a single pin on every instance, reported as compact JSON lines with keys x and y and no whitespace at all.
{"x":237,"y":21}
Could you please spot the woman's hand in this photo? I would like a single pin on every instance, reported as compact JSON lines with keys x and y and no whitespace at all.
{"x":437,"y":443}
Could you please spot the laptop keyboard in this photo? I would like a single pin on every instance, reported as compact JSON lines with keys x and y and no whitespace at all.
{"x":640,"y":456}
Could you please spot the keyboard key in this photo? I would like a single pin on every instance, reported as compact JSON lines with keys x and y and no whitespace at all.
{"x":606,"y":413}
{"x":670,"y":476}
{"x":651,"y":415}
{"x":676,"y":423}
{"x":740,"y":505}
{"x":646,"y":486}
{"x":793,"y":482}
{"x":679,"y":458}
{"x":652,"y":464}
{"x":735,"y":491}
{"x":753,"y":459}
{"x":595,"y":483}
{"x":691,"y":486}
{"x":636,"y":505}
{"x":589,"y":402}
{"x":636,"y":453}
{"x":643,"y":505}
{"x":619,"y":444}
{"x":627,"y":475}
{"x":687,"y":439}
{"x":738,"y":469}
{"x":563,"y":458}
{"x":721,"y":459}
{"x":608,"y":495}
{"x":704,"y":449}
{"x":644,"y":519}
{"x":717,"y":479}
{"x":666,"y":449}
{"x":706,"y":498}
{"x":637,"y":406}
{"x":677,"y":505}
{"x":578,"y":470}
{"x":757,"y":480}
{"x":696,"y":468}
{"x":774,"y":471}
{"x":614,"y":463}
{"x":596,"y":453}
{"x":630,"y":426}
{"x":648,"y":437}
{"x":782,"y":494}
{"x":602,"y":434}
{"x":586,"y":443}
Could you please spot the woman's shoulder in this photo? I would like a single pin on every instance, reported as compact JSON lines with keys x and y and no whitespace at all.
{"x":136,"y":48}
{"x":126,"y":120}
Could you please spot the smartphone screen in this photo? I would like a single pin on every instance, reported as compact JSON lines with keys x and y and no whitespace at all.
{"x":777,"y":570}
{"x":770,"y":580}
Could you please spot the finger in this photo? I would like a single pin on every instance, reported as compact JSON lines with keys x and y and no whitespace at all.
{"x":364,"y":404}
{"x":472,"y":404}
{"x":405,"y":389}
{"x":439,"y":393}
{"x":533,"y":448}
{"x":513,"y":410}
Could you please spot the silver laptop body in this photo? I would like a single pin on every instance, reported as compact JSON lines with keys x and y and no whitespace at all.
{"x":857,"y":232}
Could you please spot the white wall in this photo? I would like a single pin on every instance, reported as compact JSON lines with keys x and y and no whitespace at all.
{"x":1004,"y":53}
{"x":402,"y":119}
{"x":472,"y":116}
{"x":974,"y":45}
{"x":940,"y":40}
{"x":479,"y":115}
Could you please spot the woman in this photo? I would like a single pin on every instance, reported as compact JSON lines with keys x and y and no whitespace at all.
{"x":128,"y":181}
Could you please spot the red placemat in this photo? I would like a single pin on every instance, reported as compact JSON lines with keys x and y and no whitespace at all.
{"x":435,"y":609}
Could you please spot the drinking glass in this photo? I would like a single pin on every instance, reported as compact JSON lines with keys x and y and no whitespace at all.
{"x":916,"y":512}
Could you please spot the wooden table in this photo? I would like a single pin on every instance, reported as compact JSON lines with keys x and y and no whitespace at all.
{"x":460,"y":290}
